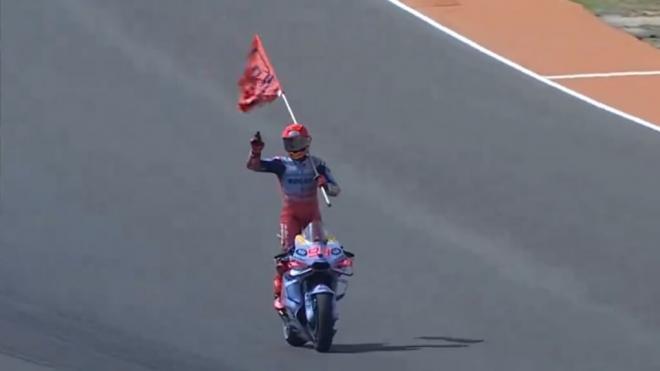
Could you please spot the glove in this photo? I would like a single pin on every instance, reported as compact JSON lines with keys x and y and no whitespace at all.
{"x":321,"y":181}
{"x":256,"y":143}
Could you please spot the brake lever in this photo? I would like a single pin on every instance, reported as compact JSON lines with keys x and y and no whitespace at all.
{"x":284,"y":254}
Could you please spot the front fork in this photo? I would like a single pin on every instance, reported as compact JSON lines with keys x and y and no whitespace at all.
{"x":310,"y":302}
{"x":298,"y":295}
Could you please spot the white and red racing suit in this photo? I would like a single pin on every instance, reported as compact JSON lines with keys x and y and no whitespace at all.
{"x":298,"y":185}
{"x":300,"y":204}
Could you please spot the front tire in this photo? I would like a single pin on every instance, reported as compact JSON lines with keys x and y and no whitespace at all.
{"x":324,"y":331}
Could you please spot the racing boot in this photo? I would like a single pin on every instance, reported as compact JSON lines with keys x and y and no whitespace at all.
{"x":277,"y":293}
{"x":280,"y":269}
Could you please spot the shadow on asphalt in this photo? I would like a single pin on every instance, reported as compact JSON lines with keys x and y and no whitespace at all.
{"x":451,"y":339}
{"x":451,"y":342}
{"x":382,"y":347}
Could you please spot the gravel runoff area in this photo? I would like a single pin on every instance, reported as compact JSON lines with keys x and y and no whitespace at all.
{"x":640,"y":18}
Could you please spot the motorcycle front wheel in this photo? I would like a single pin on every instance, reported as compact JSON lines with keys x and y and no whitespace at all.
{"x":324,"y":329}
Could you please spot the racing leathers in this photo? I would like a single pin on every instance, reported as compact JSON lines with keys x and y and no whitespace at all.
{"x":300,"y":207}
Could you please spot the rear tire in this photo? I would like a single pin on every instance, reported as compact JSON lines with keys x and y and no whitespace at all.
{"x":292,"y":337}
{"x":324,"y":322}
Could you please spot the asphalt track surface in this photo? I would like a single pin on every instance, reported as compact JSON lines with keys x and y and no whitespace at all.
{"x":499,"y":224}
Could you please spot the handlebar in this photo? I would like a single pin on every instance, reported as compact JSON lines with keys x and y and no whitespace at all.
{"x":283,"y":255}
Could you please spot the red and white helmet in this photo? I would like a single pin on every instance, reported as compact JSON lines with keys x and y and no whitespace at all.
{"x":296,"y":140}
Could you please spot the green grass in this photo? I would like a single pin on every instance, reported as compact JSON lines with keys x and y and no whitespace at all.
{"x":628,"y":8}
{"x":620,"y":6}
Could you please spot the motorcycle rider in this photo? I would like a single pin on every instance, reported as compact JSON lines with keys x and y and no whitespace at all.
{"x":298,"y":182}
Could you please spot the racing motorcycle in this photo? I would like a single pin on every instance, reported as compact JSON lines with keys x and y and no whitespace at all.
{"x":312,"y":287}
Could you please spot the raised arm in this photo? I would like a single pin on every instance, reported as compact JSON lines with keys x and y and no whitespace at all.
{"x":256,"y":163}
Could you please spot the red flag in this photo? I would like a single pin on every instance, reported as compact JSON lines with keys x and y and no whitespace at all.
{"x":259,"y":84}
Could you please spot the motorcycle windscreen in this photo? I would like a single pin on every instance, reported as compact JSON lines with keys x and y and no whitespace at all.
{"x":315,"y":232}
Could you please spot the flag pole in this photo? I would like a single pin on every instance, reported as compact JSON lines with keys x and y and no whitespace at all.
{"x":293,"y":117}
{"x":288,"y":107}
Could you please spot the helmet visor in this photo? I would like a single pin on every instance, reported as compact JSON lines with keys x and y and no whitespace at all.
{"x":295,"y":144}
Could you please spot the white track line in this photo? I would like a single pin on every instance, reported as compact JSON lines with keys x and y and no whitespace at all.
{"x":524,"y":70}
{"x":607,"y":74}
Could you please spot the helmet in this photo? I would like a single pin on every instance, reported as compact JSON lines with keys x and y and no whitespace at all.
{"x":296,"y":140}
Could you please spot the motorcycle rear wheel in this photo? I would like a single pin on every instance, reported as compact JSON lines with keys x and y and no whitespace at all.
{"x":292,"y":337}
